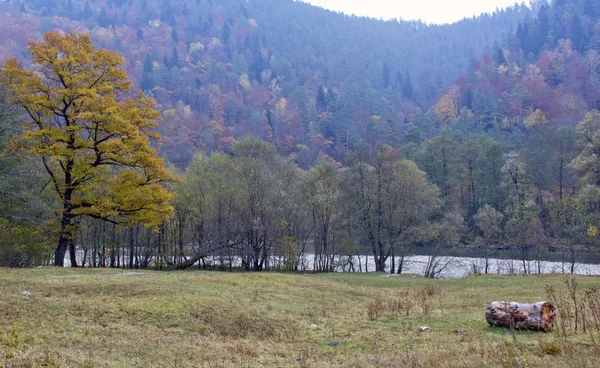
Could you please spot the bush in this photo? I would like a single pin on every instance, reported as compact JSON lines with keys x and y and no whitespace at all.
{"x":21,"y":246}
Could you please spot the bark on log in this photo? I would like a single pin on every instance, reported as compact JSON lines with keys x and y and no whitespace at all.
{"x":536,"y":317}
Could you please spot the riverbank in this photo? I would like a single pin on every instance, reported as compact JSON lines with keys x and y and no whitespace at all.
{"x":113,"y":318}
{"x":449,"y":263}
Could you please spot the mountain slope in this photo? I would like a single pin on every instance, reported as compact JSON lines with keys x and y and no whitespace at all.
{"x":550,"y":63}
{"x":309,"y":80}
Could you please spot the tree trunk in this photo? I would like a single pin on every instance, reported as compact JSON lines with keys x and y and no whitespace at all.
{"x":536,"y":317}
{"x":131,"y":248}
{"x":64,"y":239}
{"x":66,"y":222}
{"x":379,"y":262}
{"x":189,"y":263}
{"x":400,"y":265}
{"x":73,"y":253}
{"x":61,"y":251}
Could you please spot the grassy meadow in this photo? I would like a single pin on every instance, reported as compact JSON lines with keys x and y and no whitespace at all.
{"x":116,"y":318}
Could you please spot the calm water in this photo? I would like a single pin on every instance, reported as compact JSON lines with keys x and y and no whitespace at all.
{"x":446,"y":266}
{"x":456,"y":267}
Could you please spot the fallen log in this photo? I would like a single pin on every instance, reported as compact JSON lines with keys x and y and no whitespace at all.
{"x":536,"y":317}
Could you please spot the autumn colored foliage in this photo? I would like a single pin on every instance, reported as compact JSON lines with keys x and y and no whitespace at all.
{"x":93,"y":138}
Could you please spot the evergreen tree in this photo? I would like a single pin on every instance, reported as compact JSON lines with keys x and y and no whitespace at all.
{"x":399,"y":81}
{"x":226,"y":33}
{"x":578,"y":36}
{"x":175,"y":58}
{"x":148,"y":66}
{"x":385,"y":75}
{"x":103,"y":19}
{"x":500,"y":59}
{"x":257,"y":65}
{"x":87,"y":11}
{"x":407,"y":88}
{"x":320,"y":101}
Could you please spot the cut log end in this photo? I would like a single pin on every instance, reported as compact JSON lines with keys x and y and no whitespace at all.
{"x":535,"y":317}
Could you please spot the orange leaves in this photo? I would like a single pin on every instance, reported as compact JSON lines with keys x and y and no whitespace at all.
{"x":319,"y":140}
{"x":330,"y":159}
{"x":288,"y":143}
{"x":226,"y":143}
{"x":216,"y":102}
{"x":269,"y":132}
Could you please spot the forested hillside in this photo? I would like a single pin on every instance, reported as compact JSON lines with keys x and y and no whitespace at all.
{"x":550,"y":63}
{"x":308,"y":80}
{"x":529,"y":95}
{"x":516,"y":135}
{"x":298,"y":131}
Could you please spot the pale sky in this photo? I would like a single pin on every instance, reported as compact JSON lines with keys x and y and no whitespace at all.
{"x":430,"y":11}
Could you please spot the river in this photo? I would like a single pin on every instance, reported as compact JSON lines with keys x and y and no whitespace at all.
{"x":443,"y":266}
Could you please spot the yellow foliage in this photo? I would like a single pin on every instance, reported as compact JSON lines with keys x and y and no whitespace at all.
{"x":91,"y":133}
{"x":502,"y":69}
{"x":533,"y":72}
{"x":446,"y":109}
{"x":216,"y":127}
{"x":244,"y":81}
{"x":281,"y":106}
{"x":537,"y":118}
{"x":169,"y":113}
{"x":592,"y":231}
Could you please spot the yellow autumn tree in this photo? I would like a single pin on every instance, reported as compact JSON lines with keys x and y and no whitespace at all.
{"x":536,"y":119}
{"x":92,"y":136}
{"x":446,"y":109}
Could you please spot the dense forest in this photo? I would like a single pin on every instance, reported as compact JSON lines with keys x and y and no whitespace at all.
{"x":292,"y":130}
{"x":306,"y":79}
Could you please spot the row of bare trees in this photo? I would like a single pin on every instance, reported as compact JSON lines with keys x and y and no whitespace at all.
{"x":255,"y":209}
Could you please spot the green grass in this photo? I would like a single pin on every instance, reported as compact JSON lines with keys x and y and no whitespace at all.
{"x":103,"y":318}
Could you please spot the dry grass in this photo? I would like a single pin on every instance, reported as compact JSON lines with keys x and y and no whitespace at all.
{"x":101,"y":318}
